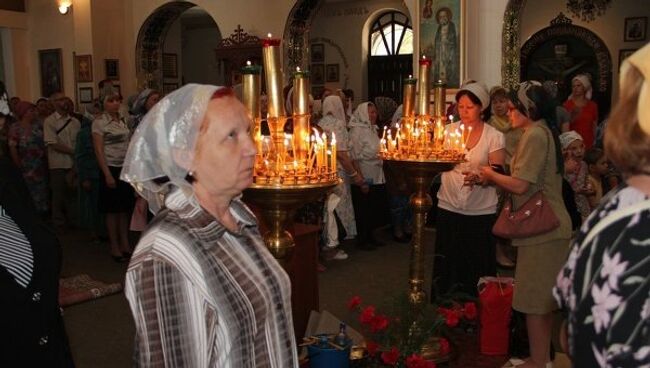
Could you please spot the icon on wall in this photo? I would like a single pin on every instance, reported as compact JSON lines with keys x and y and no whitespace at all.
{"x":51,"y":67}
{"x":112,"y":68}
{"x":83,"y":65}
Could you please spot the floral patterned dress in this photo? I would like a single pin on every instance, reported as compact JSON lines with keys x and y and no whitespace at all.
{"x":33,"y":161}
{"x":605,"y":284}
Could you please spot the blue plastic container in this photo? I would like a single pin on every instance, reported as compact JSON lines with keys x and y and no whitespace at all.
{"x":327,"y":356}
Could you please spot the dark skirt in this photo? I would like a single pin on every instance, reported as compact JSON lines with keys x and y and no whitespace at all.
{"x":464,"y":252}
{"x":370,"y":211}
{"x":120,"y":199}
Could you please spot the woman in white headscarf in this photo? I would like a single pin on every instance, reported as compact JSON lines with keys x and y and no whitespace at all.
{"x":334,"y":123}
{"x":584,"y":112}
{"x":203,"y":288}
{"x":369,"y":200}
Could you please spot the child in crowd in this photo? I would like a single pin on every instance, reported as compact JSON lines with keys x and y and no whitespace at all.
{"x":576,"y":171}
{"x":598,"y":169}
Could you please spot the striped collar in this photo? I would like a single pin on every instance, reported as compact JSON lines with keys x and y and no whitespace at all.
{"x":186,"y":206}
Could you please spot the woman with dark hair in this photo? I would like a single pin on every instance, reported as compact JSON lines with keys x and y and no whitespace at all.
{"x":537,"y":165}
{"x":463,"y":256}
{"x":604,"y":284}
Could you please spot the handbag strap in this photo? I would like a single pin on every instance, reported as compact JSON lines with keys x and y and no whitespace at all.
{"x":64,"y":126}
{"x":548,"y":148}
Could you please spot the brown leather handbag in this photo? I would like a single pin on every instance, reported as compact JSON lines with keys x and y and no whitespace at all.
{"x":534,"y":217}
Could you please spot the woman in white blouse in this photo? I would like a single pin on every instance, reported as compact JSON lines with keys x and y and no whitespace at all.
{"x":369,"y":199}
{"x":465,"y":246}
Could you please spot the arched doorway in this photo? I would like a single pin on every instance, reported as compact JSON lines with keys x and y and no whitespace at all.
{"x":562,"y":50}
{"x":160,"y":69}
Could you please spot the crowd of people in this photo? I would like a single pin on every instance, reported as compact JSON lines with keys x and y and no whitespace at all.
{"x":205,"y":291}
{"x":71,"y":161}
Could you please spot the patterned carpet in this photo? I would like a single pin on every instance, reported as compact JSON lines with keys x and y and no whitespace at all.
{"x":81,"y":288}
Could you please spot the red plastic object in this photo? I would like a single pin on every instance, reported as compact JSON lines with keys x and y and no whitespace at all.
{"x":495,"y":310}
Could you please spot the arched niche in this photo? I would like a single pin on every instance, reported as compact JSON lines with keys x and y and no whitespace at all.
{"x":562,"y":50}
{"x":151,"y":40}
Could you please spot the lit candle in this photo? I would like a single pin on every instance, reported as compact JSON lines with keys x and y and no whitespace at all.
{"x":251,"y":89}
{"x":300,"y":104}
{"x":273,"y":75}
{"x":423,"y":88}
{"x":439,"y":98}
{"x":333,"y":152}
{"x":408,"y":104}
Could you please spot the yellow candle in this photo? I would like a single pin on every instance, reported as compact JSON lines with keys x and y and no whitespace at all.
{"x":333,"y":152}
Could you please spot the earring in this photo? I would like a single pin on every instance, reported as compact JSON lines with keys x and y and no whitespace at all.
{"x":190,"y":177}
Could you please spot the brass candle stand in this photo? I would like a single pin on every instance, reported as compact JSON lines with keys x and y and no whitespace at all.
{"x":419,"y":176}
{"x":277,"y":205}
{"x":290,"y":169}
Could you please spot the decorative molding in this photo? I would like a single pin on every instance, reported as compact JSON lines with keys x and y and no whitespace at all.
{"x":296,"y":33}
{"x":150,"y":42}
{"x":239,"y":38}
{"x":561,"y":19}
{"x":510,"y":43}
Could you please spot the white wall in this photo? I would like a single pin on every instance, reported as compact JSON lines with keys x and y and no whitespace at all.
{"x":609,"y":27}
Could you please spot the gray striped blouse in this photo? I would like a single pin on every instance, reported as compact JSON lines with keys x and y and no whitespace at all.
{"x":202,"y":296}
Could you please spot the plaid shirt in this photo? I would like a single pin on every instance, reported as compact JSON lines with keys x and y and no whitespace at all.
{"x":203,"y":296}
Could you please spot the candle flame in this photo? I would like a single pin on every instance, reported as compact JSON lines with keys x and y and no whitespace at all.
{"x":248,"y":63}
{"x":410,"y":76}
{"x":269,"y":35}
{"x":298,"y":69}
{"x":451,"y":118}
{"x":333,"y":138}
{"x":424,"y":57}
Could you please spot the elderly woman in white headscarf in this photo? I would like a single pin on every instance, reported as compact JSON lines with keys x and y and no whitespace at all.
{"x":333,"y":123}
{"x":370,"y":199}
{"x":584,"y":112}
{"x":203,"y":288}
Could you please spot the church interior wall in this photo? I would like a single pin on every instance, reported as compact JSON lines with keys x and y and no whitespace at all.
{"x":173,"y":45}
{"x":341,"y":25}
{"x":537,"y":15}
{"x":200,"y":63}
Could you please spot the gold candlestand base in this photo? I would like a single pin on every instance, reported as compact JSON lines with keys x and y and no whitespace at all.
{"x":277,"y":205}
{"x":419,"y":175}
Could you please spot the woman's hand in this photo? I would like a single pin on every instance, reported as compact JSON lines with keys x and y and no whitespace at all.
{"x":486,"y":175}
{"x":358,"y":179}
{"x":110,"y":181}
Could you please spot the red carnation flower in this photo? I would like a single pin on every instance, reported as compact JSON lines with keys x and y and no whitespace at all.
{"x":416,"y":361}
{"x":452,"y":319}
{"x":354,"y":302}
{"x":372,"y":347}
{"x":367,"y":314}
{"x":378,"y":323}
{"x":469,"y":312}
{"x":390,"y":357}
{"x":443,"y":346}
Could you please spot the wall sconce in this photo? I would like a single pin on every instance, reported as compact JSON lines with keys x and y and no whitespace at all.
{"x":64,"y":6}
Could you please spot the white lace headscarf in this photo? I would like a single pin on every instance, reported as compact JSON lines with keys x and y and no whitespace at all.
{"x":332,"y":105}
{"x":164,"y":144}
{"x":361,"y":117}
